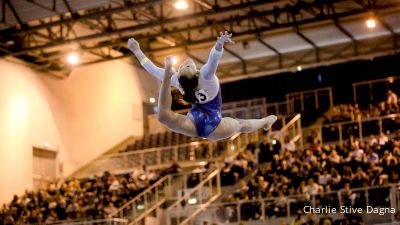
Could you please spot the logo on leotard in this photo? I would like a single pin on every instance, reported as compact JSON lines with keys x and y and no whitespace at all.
{"x":201,"y":95}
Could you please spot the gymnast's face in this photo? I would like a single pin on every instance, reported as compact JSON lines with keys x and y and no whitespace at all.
{"x":187,"y":69}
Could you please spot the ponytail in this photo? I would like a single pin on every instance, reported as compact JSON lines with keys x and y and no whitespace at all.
{"x":188,"y":86}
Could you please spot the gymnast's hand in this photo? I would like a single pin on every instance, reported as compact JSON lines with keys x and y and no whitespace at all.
{"x":169,"y":61}
{"x":133,"y":45}
{"x":224,"y":37}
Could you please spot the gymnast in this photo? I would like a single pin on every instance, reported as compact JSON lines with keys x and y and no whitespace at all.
{"x":202,"y":89}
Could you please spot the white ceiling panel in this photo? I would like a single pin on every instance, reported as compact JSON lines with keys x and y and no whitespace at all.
{"x":393,"y":21}
{"x":289,"y":42}
{"x":324,"y":36}
{"x":40,"y":9}
{"x":255,"y":50}
{"x":360,"y":30}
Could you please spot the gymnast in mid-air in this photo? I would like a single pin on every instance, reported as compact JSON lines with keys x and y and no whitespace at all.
{"x":202,"y":89}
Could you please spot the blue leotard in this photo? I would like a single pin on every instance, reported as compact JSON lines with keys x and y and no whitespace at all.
{"x":207,"y":112}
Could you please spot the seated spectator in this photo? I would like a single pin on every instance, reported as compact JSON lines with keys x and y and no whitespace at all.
{"x":324,"y":178}
{"x":334,"y":157}
{"x":288,"y":145}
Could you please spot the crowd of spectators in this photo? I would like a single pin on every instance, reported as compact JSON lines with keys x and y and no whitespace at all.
{"x":89,"y":198}
{"x":234,"y":168}
{"x":349,"y":112}
{"x":285,"y":171}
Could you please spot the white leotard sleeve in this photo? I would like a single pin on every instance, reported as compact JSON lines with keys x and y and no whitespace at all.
{"x":154,"y":70}
{"x":208,"y":70}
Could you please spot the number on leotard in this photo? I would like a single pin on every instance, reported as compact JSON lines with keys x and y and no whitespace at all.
{"x":201,"y":95}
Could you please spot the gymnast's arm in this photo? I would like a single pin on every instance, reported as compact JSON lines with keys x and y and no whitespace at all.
{"x":209,"y":69}
{"x":147,"y":64}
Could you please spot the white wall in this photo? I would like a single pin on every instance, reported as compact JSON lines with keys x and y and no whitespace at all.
{"x":80,"y":116}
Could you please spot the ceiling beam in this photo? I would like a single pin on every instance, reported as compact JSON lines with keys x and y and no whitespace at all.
{"x":66,"y":3}
{"x":309,"y":41}
{"x":10,"y":5}
{"x":345,"y":32}
{"x":142,"y":28}
{"x":244,"y":63}
{"x":143,"y":4}
{"x":280,"y":60}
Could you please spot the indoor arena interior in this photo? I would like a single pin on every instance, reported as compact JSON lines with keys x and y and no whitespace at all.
{"x":200,"y":112}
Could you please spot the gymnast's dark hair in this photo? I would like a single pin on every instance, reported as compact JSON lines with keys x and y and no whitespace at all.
{"x":188,"y":85}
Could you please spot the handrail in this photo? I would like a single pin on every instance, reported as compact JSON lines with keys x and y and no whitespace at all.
{"x":193,"y":143}
{"x":138,"y":196}
{"x":189,"y":193}
{"x":390,"y":116}
{"x":309,"y":91}
{"x":82,"y":221}
{"x":292,"y":121}
{"x":301,"y":195}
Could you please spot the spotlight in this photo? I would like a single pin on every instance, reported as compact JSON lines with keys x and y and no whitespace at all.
{"x":192,"y":201}
{"x":299,"y":68}
{"x":152,"y":100}
{"x":46,"y":144}
{"x":370,"y":23}
{"x":174,"y":60}
{"x":73,"y":58}
{"x":181,"y":5}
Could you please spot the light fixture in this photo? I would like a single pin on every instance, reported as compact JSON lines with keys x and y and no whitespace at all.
{"x":174,"y":60}
{"x":181,"y":4}
{"x":232,"y":147}
{"x":152,"y":100}
{"x":46,"y":144}
{"x":140,"y":207}
{"x":299,"y":68}
{"x":192,"y":201}
{"x":73,"y":58}
{"x":370,"y":23}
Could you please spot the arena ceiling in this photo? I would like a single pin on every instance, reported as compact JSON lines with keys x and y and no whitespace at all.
{"x":271,"y":36}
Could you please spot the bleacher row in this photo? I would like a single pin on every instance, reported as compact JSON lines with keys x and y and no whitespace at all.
{"x":159,"y":140}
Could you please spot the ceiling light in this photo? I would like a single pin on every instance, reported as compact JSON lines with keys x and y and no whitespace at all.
{"x":174,"y":60}
{"x":46,"y":144}
{"x":181,"y":5}
{"x":192,"y":201}
{"x":152,"y":100}
{"x":370,"y":23}
{"x":299,"y":68}
{"x":73,"y":58}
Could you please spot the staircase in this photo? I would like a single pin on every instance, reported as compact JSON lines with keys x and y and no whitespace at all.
{"x":157,"y":202}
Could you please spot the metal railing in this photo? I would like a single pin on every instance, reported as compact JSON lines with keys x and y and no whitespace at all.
{"x":173,"y":188}
{"x":145,"y":202}
{"x":311,"y":100}
{"x":193,"y":201}
{"x":371,"y":200}
{"x":341,"y":131}
{"x":162,"y":157}
{"x":374,"y":91}
{"x":109,"y":221}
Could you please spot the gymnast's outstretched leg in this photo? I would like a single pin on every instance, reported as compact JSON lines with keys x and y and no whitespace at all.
{"x":173,"y":121}
{"x":231,"y":126}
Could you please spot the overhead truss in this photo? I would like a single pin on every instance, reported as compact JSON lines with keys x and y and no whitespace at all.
{"x":101,"y":34}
